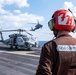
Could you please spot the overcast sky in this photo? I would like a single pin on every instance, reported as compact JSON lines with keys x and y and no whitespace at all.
{"x":18,"y":14}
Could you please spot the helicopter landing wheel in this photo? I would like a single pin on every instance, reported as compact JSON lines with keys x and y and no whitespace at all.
{"x":11,"y":46}
{"x":29,"y":49}
{"x":16,"y":47}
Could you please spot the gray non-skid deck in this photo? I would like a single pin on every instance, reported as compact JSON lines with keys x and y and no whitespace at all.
{"x":21,"y":62}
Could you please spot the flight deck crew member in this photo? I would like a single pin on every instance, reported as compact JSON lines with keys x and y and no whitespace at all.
{"x":58,"y":56}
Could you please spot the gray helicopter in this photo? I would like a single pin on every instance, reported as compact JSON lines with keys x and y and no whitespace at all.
{"x":37,"y":26}
{"x":19,"y":41}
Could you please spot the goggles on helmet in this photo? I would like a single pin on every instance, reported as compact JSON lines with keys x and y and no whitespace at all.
{"x":51,"y":24}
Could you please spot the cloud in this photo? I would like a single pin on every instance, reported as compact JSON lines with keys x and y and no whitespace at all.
{"x":22,"y":3}
{"x":71,"y":6}
{"x":68,"y":5}
{"x":16,"y":18}
{"x":17,"y":11}
{"x":19,"y":19}
{"x":19,"y":3}
{"x":2,"y":11}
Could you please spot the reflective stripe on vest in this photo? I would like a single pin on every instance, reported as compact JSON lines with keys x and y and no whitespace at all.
{"x":66,"y":48}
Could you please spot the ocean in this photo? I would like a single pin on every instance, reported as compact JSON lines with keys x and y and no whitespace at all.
{"x":41,"y":43}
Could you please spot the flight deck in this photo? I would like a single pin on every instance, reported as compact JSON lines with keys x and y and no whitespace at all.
{"x":18,"y":62}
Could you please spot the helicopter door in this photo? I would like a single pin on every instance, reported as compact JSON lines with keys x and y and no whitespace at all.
{"x":19,"y":41}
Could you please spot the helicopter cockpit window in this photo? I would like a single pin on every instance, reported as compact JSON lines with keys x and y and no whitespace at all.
{"x":25,"y":38}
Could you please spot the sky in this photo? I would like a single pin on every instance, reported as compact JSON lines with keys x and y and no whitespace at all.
{"x":20,"y":14}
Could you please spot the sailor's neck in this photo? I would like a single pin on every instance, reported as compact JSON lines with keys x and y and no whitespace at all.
{"x":63,"y":33}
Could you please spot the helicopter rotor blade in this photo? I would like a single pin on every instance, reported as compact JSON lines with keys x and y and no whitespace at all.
{"x":19,"y":30}
{"x":28,"y":33}
{"x":32,"y":23}
{"x":7,"y":30}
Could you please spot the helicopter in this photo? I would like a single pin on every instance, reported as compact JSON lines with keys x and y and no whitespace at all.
{"x":38,"y":26}
{"x":18,"y":40}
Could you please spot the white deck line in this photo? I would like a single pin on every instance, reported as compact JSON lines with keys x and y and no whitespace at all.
{"x":22,"y":53}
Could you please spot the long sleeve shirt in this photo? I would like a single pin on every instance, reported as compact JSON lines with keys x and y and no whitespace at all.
{"x":58,"y":57}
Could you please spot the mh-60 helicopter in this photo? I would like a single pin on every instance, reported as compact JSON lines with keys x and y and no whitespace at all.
{"x":19,"y":41}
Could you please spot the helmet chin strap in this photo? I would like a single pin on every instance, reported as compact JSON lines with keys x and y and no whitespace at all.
{"x":55,"y":32}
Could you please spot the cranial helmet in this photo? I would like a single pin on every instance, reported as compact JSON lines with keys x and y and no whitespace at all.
{"x":62,"y":20}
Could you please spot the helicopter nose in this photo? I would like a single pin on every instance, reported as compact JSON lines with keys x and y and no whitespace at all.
{"x":26,"y":43}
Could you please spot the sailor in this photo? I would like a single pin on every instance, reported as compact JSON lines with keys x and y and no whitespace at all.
{"x":58,"y":56}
